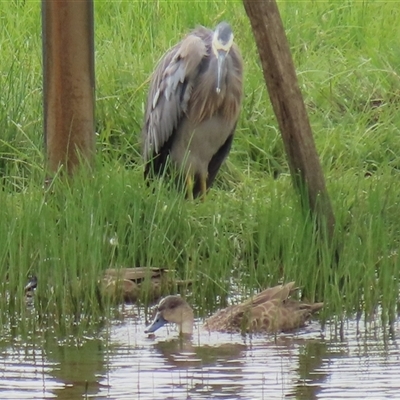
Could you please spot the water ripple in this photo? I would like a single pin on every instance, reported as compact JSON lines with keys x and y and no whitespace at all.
{"x":125,"y":363}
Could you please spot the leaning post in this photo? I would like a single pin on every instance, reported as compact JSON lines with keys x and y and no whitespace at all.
{"x":68,"y":83}
{"x":287,"y":102}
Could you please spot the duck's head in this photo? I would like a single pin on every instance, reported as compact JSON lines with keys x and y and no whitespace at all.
{"x":175,"y":310}
{"x":31,"y":285}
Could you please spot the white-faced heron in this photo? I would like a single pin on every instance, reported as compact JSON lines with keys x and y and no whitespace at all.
{"x":193,"y":106}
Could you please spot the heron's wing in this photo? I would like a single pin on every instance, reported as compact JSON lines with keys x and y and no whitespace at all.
{"x":169,"y":94}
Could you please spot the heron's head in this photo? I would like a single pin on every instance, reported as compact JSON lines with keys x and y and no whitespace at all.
{"x":173,"y":309}
{"x":221,"y":44}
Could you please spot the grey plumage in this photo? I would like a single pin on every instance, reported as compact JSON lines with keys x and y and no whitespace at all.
{"x":193,"y":106}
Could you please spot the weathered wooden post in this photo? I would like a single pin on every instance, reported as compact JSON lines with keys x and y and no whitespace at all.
{"x":287,"y":101}
{"x":68,"y":82}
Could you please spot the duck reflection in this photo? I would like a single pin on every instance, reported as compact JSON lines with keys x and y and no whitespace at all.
{"x":216,"y":370}
{"x":234,"y":366}
{"x":181,"y":352}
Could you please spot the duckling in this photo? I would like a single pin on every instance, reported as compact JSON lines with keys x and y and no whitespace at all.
{"x":271,"y":311}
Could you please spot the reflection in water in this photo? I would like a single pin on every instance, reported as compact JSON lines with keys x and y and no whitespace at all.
{"x":127,"y":364}
{"x":78,"y":367}
{"x":311,"y":356}
{"x":212,"y":365}
{"x":43,"y":368}
{"x":25,"y":373}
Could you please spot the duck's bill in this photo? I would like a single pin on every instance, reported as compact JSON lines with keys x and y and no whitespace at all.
{"x":157,"y":323}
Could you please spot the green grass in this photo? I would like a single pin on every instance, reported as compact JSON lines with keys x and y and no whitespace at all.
{"x":251,"y":231}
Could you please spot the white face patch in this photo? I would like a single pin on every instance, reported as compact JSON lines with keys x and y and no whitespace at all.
{"x":218,"y":45}
{"x":221,"y":44}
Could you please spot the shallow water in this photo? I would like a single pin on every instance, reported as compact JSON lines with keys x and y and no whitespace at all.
{"x":124,"y":363}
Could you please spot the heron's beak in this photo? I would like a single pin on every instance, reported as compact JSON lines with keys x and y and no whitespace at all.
{"x":221,"y":61}
{"x":157,"y":323}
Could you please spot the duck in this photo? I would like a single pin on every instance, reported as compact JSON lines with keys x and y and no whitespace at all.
{"x":128,"y":284}
{"x":271,"y":311}
{"x":30,"y":289}
{"x":31,"y":285}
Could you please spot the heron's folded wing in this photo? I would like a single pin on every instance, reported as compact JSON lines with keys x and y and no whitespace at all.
{"x":169,"y":94}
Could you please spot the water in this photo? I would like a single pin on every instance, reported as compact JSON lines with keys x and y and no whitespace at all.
{"x":125,"y":363}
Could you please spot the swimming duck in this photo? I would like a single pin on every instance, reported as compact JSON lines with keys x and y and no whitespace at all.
{"x":271,"y":310}
{"x":129,"y":283}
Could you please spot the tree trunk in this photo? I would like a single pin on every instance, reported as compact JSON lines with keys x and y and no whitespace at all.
{"x":68,"y":82}
{"x":288,"y":105}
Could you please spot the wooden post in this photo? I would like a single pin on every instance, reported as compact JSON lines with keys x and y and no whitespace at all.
{"x":287,"y":101}
{"x":68,"y":82}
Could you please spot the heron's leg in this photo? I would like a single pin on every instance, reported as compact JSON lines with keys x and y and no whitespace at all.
{"x":203,"y":187}
{"x":189,"y":187}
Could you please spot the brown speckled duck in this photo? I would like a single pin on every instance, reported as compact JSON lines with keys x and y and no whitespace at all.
{"x":129,"y":283}
{"x":271,"y":310}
